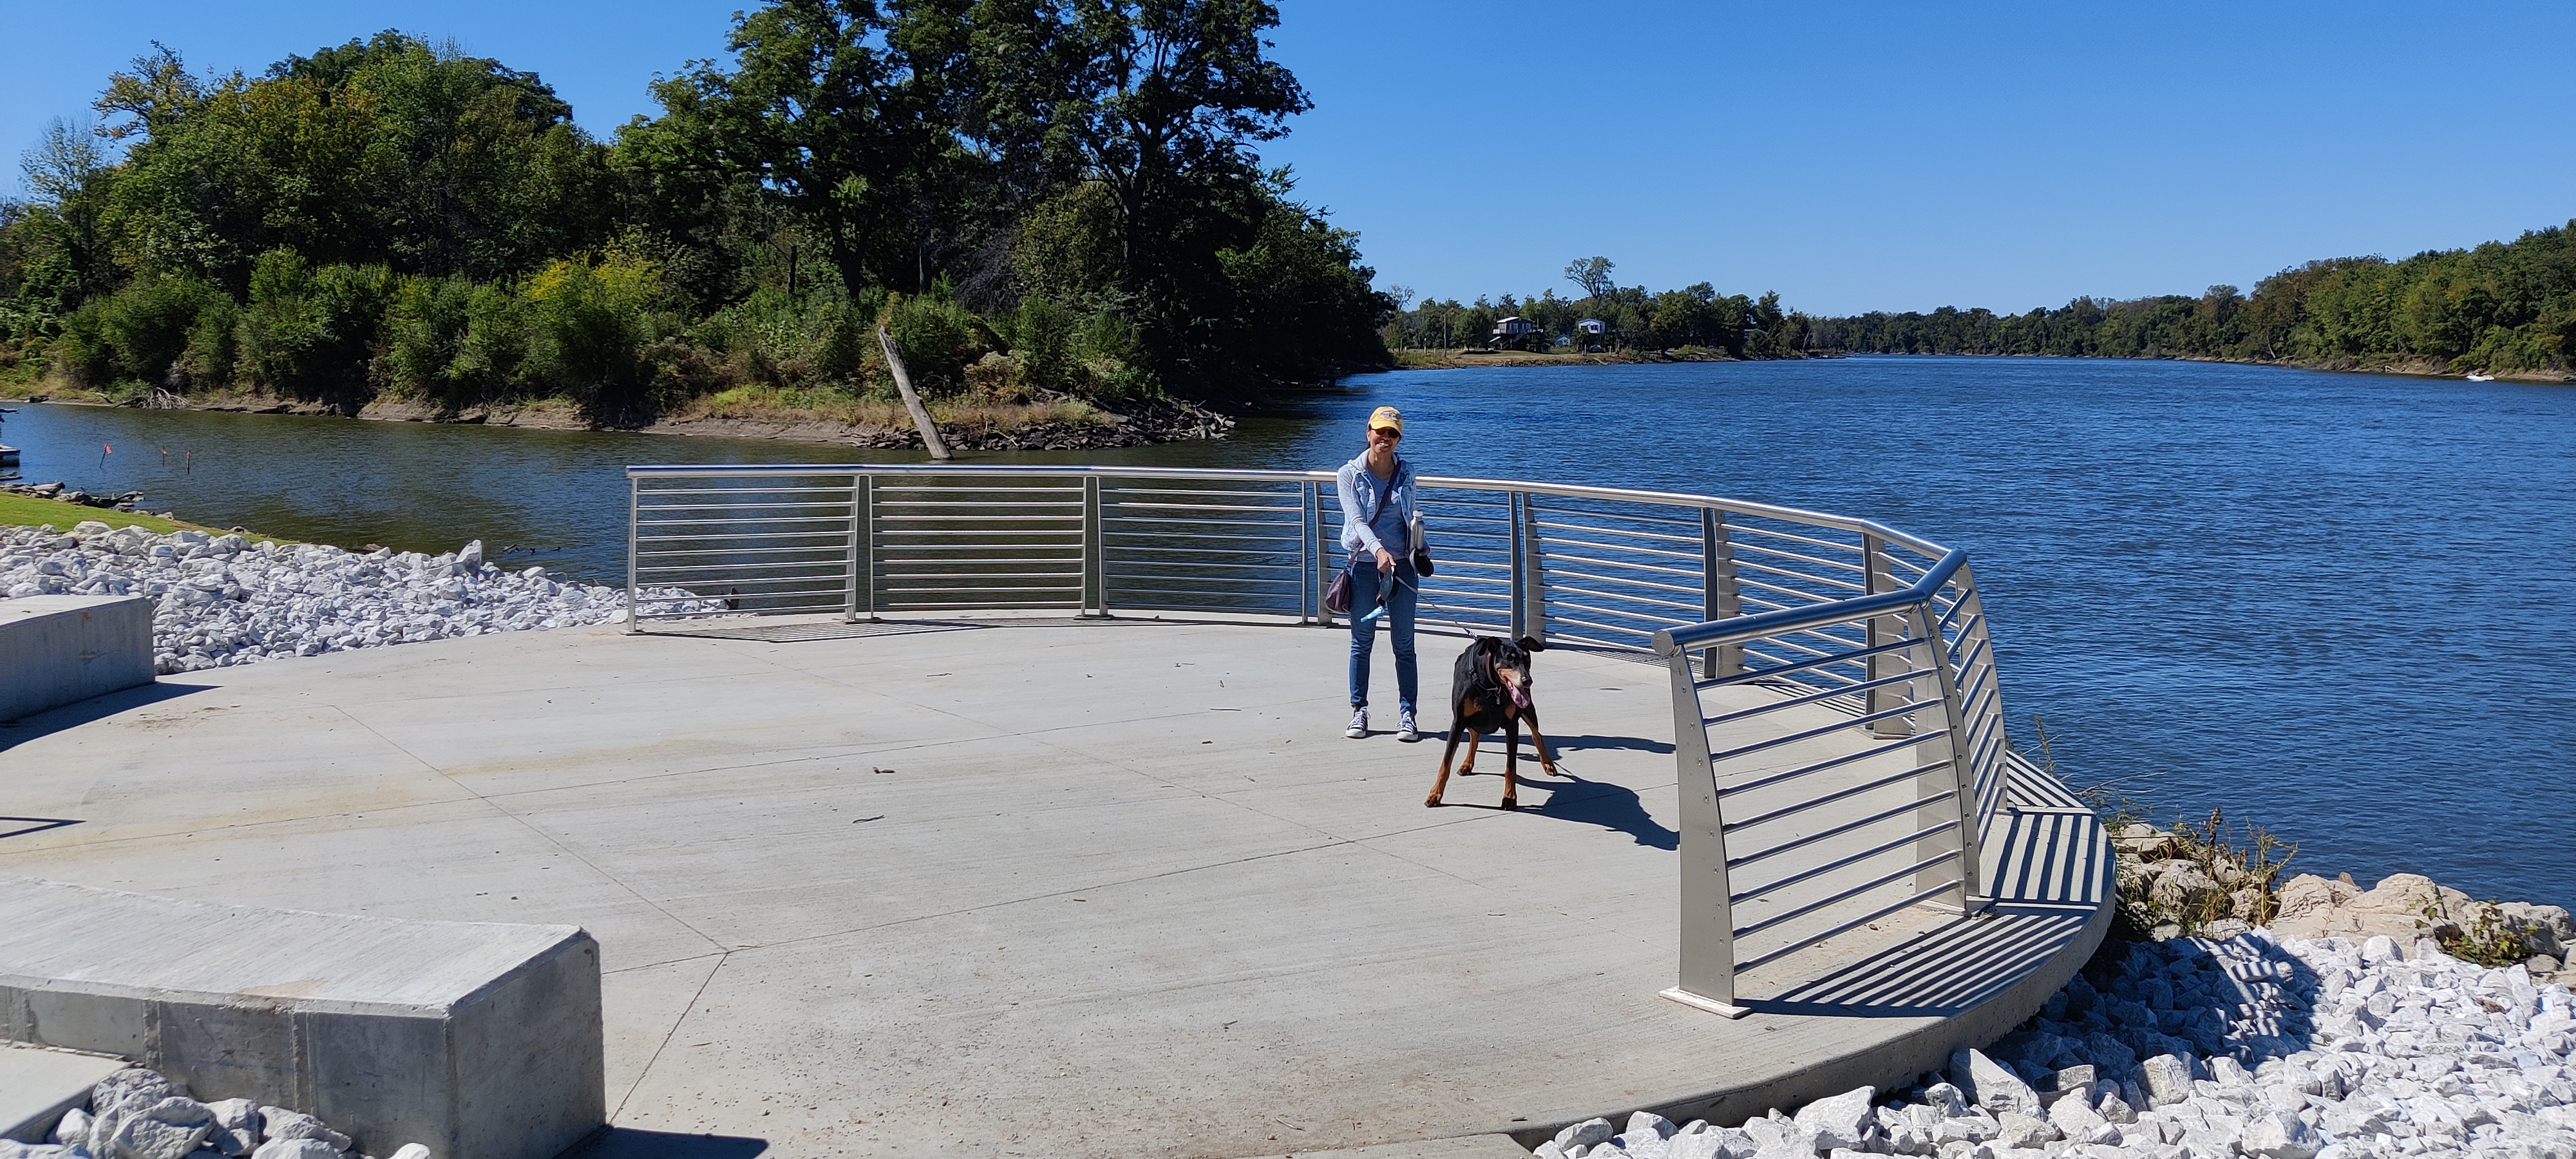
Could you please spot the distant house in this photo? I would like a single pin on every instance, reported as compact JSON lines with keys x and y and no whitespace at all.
{"x":1517,"y":333}
{"x":1594,"y":333}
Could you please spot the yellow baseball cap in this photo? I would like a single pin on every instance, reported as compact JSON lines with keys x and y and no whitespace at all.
{"x":1387,"y":416}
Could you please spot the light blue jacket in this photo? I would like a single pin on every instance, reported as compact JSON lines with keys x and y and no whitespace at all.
{"x":1359,"y":506}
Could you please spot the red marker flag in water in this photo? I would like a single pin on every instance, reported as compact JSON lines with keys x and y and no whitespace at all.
{"x":104,"y":449}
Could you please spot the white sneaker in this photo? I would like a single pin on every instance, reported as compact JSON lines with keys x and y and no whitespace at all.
{"x":1359,"y":724}
{"x":1404,"y":730}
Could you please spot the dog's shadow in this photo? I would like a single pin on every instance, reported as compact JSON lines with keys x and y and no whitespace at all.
{"x":1634,"y":744}
{"x":1571,"y":798}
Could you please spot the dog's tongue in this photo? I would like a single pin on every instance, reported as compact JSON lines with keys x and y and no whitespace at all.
{"x":1520,"y":697}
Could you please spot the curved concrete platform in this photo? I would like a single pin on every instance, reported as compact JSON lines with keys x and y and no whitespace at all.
{"x":1097,"y":889}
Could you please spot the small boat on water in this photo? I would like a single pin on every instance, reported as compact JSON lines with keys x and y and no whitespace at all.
{"x":8,"y":454}
{"x":2478,"y":376}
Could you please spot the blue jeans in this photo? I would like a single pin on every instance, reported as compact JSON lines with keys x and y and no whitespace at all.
{"x":1365,"y":586}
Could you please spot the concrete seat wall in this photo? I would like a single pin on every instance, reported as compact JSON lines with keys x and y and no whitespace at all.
{"x":482,"y":1041}
{"x":58,"y":650}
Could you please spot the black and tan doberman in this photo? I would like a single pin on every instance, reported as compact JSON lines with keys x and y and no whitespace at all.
{"x":1490,"y":692}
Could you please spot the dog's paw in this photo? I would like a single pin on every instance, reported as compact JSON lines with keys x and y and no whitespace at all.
{"x":1466,"y":770}
{"x":1431,"y":802}
{"x":1511,"y":802}
{"x":1549,"y":767}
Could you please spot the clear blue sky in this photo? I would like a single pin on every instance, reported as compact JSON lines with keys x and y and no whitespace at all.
{"x":1897,"y":156}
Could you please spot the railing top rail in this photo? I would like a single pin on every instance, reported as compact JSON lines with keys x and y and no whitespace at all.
{"x":1743,"y":628}
{"x":1075,"y":471}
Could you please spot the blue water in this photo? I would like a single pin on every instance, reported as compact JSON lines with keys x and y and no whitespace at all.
{"x":2336,"y":605}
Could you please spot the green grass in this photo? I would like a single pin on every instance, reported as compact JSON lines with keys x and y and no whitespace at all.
{"x":29,"y":511}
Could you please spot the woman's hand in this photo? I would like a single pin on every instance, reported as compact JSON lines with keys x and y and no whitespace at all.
{"x":1385,"y":562}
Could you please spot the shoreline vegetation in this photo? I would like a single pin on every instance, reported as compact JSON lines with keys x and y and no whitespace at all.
{"x":1057,"y":216}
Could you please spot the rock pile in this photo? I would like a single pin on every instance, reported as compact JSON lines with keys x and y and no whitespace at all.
{"x":1138,"y":425}
{"x":225,"y":600}
{"x":138,"y":1114}
{"x":122,"y":500}
{"x":2407,"y":906}
{"x":2196,"y":1048}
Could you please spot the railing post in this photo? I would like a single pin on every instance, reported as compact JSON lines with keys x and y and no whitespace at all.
{"x":634,"y":611}
{"x":1518,"y":612}
{"x":1721,"y":597}
{"x":859,"y":532}
{"x":1977,"y":641}
{"x":1945,"y":740}
{"x":1326,"y":552}
{"x":863,"y":547}
{"x":1885,"y":629}
{"x":1309,"y":597}
{"x":1095,"y":570}
{"x":1529,"y":557}
{"x":1707,"y":915}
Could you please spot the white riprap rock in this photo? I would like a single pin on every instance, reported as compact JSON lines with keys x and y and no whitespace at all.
{"x":223,"y":600}
{"x":1841,"y":1121}
{"x":1991,"y":1087}
{"x":296,"y":1149}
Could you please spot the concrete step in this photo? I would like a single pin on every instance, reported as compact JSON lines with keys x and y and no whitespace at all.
{"x":38,"y":1084}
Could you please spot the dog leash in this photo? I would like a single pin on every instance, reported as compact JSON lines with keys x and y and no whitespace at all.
{"x":1378,"y":612}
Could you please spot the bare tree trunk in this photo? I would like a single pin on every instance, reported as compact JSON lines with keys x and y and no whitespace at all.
{"x":912,"y":402}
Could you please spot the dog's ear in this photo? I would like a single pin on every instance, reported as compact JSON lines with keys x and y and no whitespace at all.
{"x":1533,"y":644}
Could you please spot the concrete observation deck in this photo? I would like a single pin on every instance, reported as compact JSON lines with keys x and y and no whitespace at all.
{"x":1018,"y":887}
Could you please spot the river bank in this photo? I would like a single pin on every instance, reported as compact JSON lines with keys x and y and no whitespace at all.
{"x":1472,"y":356}
{"x":2410,"y":368}
{"x":1042,"y":425}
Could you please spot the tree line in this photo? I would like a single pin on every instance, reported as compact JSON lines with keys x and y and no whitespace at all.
{"x":2501,"y":307}
{"x":1033,"y":196}
{"x":1695,"y":318}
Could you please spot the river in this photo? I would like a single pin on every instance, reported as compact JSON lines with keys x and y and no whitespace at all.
{"x":2329,"y":603}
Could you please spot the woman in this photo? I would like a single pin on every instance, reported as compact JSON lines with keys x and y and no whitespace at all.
{"x":1377,"y":529}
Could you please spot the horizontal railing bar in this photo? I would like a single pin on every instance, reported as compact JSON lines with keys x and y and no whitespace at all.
{"x":1775,"y":533}
{"x":1801,"y":665}
{"x":1845,"y":793}
{"x":1693,"y":609}
{"x":1692,"y":573}
{"x":1838,"y":863}
{"x":1786,"y":775}
{"x":1784,"y":553}
{"x":1657,"y":536}
{"x":841,"y":489}
{"x":1742,"y":580}
{"x":1839,"y":612}
{"x":1849,"y":926}
{"x":1849,"y":826}
{"x":1628,"y":516}
{"x":698,"y":568}
{"x":1811,"y":734}
{"x":1881,"y":682}
{"x":1846,"y":895}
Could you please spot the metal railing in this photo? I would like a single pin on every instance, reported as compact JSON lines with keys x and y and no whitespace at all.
{"x":1837,"y":723}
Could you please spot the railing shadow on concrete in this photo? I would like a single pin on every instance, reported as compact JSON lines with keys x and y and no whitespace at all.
{"x":1839,"y":731}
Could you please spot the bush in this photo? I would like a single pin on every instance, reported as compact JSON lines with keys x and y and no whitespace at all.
{"x":424,"y":335}
{"x":147,"y":326}
{"x":938,"y":338}
{"x":587,"y":327}
{"x":311,"y":333}
{"x":214,"y":347}
{"x":81,"y":355}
